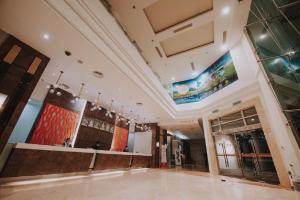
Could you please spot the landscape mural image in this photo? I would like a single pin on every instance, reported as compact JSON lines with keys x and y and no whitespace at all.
{"x":217,"y":76}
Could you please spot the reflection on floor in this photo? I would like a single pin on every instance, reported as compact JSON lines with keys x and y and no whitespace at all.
{"x":146,"y":184}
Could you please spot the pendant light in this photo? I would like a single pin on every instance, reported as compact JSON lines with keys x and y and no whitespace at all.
{"x":54,"y":87}
{"x":96,"y":105}
{"x":78,"y":97}
{"x":109,"y":111}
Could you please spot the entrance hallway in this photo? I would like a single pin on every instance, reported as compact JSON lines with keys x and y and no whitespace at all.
{"x":147,"y":184}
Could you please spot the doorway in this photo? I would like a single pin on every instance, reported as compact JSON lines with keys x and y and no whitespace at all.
{"x":246,"y":154}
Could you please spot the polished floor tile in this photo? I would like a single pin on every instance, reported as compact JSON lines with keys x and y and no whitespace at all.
{"x":146,"y":185}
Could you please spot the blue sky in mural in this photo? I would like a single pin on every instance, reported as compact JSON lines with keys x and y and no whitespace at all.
{"x":220,"y":74}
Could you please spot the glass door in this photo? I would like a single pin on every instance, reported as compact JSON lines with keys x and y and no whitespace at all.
{"x":256,"y":160}
{"x":247,"y":155}
{"x":228,"y":155}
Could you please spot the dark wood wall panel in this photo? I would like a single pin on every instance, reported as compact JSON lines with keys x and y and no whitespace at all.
{"x":88,"y":136}
{"x":28,"y":162}
{"x":17,"y":80}
{"x":155,"y":150}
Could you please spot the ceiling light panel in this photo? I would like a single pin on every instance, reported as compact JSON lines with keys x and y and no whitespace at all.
{"x":188,"y":40}
{"x":166,"y":13}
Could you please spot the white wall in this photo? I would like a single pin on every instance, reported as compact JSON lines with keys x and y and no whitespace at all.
{"x":248,"y":68}
{"x":25,"y":121}
{"x":142,"y":142}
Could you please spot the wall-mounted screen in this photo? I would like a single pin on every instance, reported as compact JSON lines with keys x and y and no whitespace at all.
{"x":217,"y":76}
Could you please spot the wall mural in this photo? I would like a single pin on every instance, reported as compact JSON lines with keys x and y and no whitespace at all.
{"x":220,"y":74}
{"x":54,"y":125}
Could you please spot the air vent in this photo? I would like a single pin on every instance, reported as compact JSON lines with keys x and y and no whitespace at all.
{"x":193,"y":66}
{"x":98,"y":74}
{"x":224,"y":37}
{"x":183,"y":27}
{"x":215,"y":111}
{"x":236,"y":103}
{"x":158,"y":51}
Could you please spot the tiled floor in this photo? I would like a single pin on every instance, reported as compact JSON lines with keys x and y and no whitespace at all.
{"x":144,"y":185}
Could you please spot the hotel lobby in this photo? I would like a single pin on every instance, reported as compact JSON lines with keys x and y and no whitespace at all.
{"x":150,"y":99}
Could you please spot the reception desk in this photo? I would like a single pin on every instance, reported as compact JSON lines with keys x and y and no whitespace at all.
{"x":35,"y":160}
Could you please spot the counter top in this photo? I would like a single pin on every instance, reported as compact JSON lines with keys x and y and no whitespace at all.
{"x":122,"y":153}
{"x":68,"y":149}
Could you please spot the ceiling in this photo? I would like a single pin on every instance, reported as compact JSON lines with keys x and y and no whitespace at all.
{"x":179,"y":39}
{"x":188,"y":130}
{"x":29,"y":20}
{"x":97,"y":43}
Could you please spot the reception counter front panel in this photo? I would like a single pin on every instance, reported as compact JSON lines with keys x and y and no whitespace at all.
{"x":112,"y":161}
{"x":34,"y":160}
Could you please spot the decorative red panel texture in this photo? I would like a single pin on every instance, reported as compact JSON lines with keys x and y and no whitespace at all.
{"x":55,"y":124}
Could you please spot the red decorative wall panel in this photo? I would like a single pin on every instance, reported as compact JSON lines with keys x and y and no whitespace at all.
{"x":55,"y":124}
{"x":120,"y":138}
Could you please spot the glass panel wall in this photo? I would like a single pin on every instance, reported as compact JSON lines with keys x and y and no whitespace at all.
{"x":235,"y":120}
{"x":241,"y":152}
{"x":274,"y":29}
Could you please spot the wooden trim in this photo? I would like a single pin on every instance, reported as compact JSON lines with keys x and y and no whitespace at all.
{"x":34,"y":65}
{"x":12,"y":54}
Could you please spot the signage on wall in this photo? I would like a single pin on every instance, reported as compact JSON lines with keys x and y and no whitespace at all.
{"x":217,"y":76}
{"x":97,"y":124}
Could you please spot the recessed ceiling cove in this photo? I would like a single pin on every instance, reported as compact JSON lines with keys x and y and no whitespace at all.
{"x":166,"y":13}
{"x":172,"y":34}
{"x":188,"y":40}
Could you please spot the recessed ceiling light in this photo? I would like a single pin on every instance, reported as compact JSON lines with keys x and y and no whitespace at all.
{"x":80,"y":61}
{"x":139,"y":103}
{"x":263,"y":36}
{"x":223,"y":47}
{"x":291,"y":52}
{"x":68,"y":53}
{"x":226,"y":10}
{"x":276,"y":61}
{"x":46,"y":36}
